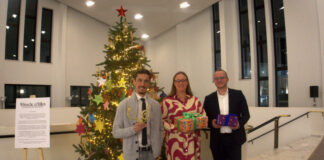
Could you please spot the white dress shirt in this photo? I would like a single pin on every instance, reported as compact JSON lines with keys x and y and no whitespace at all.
{"x":139,"y":110}
{"x":224,"y":109}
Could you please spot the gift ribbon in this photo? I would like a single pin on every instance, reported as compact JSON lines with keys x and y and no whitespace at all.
{"x":192,"y":116}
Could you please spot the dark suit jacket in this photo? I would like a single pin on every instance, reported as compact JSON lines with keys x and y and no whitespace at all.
{"x":237,"y":105}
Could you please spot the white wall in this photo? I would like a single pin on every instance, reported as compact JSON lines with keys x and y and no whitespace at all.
{"x":85,"y":39}
{"x":188,"y":47}
{"x":303,"y":49}
{"x":320,"y":14}
{"x":77,"y":44}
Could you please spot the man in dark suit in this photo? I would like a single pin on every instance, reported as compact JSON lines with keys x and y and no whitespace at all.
{"x":226,"y":142}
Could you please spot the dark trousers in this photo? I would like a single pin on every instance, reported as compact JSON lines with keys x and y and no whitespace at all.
{"x":226,"y":150}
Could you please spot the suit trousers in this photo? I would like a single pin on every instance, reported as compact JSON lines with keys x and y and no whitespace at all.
{"x":226,"y":150}
{"x":146,"y":155}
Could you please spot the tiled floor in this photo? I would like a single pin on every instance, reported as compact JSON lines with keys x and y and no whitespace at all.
{"x":299,"y":150}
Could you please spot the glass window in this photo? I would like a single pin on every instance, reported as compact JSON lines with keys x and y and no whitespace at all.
{"x":262,"y":59}
{"x":30,"y":30}
{"x":281,"y":68}
{"x":245,"y":39}
{"x":13,"y":91}
{"x":282,"y":88}
{"x":79,"y":96}
{"x":46,"y":35}
{"x":12,"y":29}
{"x":263,"y":93}
{"x":217,"y":48}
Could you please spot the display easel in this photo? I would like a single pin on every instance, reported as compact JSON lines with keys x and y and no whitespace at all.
{"x":40,"y":150}
{"x":40,"y":154}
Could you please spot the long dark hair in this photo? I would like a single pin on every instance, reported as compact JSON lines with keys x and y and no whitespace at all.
{"x":173,"y":88}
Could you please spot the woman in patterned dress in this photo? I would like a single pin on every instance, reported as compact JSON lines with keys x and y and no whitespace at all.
{"x":180,"y":145}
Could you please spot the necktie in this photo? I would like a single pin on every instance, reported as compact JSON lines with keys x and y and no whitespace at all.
{"x":144,"y":136}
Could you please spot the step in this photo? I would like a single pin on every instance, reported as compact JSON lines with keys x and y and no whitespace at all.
{"x":298,"y":150}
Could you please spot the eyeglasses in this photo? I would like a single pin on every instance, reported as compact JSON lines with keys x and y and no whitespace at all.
{"x":219,"y":78}
{"x":180,"y":80}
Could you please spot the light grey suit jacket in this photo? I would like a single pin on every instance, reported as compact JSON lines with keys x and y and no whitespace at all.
{"x":123,"y":127}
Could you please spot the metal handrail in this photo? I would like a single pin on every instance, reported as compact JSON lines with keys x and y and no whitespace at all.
{"x":267,"y":122}
{"x":276,"y":128}
{"x":52,"y":133}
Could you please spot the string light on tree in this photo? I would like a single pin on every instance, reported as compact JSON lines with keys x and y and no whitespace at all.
{"x":123,"y":56}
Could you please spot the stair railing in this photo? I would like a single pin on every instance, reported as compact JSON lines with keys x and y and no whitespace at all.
{"x":277,"y":126}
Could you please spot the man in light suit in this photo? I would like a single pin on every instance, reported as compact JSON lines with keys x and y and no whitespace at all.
{"x":226,"y":142}
{"x":142,"y":140}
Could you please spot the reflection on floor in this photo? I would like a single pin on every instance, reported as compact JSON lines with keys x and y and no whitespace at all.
{"x":299,"y":150}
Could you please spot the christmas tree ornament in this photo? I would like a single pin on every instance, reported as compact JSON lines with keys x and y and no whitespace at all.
{"x":80,"y":120}
{"x":99,"y":125}
{"x":92,"y":117}
{"x":118,"y":38}
{"x":109,"y":85}
{"x":91,"y":88}
{"x":101,"y":81}
{"x":121,"y":11}
{"x":106,"y":105}
{"x":121,"y":157}
{"x":112,"y":46}
{"x":122,"y":83}
{"x":89,"y":91}
{"x":80,"y":129}
{"x":98,"y":99}
{"x":129,"y":91}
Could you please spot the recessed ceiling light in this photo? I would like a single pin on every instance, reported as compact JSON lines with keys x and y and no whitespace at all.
{"x":184,"y":5}
{"x":145,"y":36}
{"x":14,"y":15}
{"x":43,"y":32}
{"x":282,"y":8}
{"x":138,"y":16}
{"x":90,"y":3}
{"x":8,"y":27}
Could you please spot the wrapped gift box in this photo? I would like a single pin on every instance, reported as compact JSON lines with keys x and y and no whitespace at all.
{"x":227,"y":120}
{"x":186,"y":125}
{"x":176,"y":121}
{"x":190,"y":121}
{"x":202,"y":122}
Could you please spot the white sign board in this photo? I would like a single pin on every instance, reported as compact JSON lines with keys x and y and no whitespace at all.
{"x":32,"y":123}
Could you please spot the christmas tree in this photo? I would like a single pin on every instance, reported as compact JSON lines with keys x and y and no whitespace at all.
{"x":123,"y":57}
